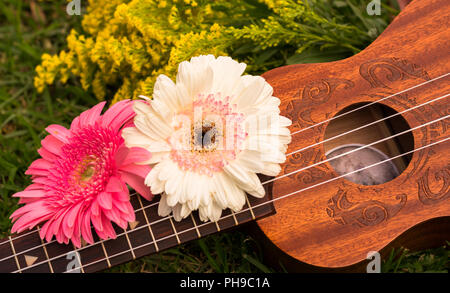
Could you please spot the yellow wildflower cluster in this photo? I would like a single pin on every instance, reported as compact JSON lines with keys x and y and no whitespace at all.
{"x":126,"y":44}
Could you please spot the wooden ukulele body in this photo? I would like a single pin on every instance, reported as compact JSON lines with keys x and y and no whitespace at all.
{"x":336,"y":225}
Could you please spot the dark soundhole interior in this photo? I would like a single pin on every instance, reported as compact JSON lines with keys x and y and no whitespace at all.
{"x":355,"y":151}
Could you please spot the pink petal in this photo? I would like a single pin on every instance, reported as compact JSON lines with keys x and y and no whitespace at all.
{"x":35,"y":186}
{"x":121,"y":155}
{"x":113,"y":215}
{"x":57,"y":227}
{"x":42,"y":181}
{"x":60,"y":132}
{"x":76,"y":236}
{"x":139,"y":170}
{"x":52,"y":144}
{"x":31,"y":219}
{"x":76,"y":240}
{"x":44,"y":229}
{"x":30,"y":193}
{"x":121,"y":205}
{"x":95,"y":209}
{"x":52,"y":222}
{"x":136,"y":155}
{"x":47,"y":155}
{"x":75,"y":123}
{"x":130,"y":215}
{"x":41,"y":164}
{"x":24,"y":200}
{"x":49,"y":234}
{"x":89,"y":117}
{"x":121,"y":196}
{"x":68,"y":231}
{"x":73,"y":215}
{"x":130,"y":123}
{"x":36,"y":172}
{"x":104,"y":199}
{"x":86,"y":231}
{"x":137,"y":183}
{"x":97,"y":222}
{"x":115,"y":185}
{"x":120,"y":113}
{"x":39,"y":205}
{"x":108,"y":228}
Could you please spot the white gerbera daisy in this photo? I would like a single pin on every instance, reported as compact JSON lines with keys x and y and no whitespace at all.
{"x":209,"y":133}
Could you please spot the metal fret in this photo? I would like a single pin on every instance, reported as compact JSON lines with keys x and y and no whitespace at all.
{"x":148,"y":224}
{"x":46,"y":253}
{"x":129,"y":244}
{"x":234,"y":218}
{"x":14,"y":253}
{"x":106,"y":254}
{"x":195,"y":226}
{"x":174,"y":230}
{"x":250,"y":207}
{"x":79,"y":259}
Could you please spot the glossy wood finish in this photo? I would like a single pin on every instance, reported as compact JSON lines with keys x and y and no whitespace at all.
{"x":336,"y":224}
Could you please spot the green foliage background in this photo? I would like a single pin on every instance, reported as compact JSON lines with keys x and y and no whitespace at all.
{"x":54,"y":66}
{"x":124,"y":45}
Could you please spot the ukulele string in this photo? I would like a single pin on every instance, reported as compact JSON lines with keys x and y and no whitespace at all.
{"x":307,"y":167}
{"x":244,"y":210}
{"x":369,"y":104}
{"x":264,"y":203}
{"x":355,"y":150}
{"x":369,"y":124}
{"x":319,"y":142}
{"x":319,"y":123}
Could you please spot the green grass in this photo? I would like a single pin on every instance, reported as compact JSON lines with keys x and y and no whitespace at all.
{"x":30,"y":28}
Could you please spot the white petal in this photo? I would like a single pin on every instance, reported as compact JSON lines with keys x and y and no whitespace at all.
{"x":196,"y":75}
{"x":177,"y":213}
{"x":161,"y":107}
{"x":251,"y":160}
{"x":156,"y":185}
{"x":227,"y":75}
{"x":168,"y":169}
{"x":165,"y":91}
{"x":219,"y":193}
{"x":154,"y":127}
{"x":185,"y":211}
{"x":211,"y":212}
{"x":135,"y":138}
{"x":214,"y":212}
{"x":250,"y":94}
{"x":271,"y":169}
{"x":163,"y":208}
{"x":244,"y":179}
{"x":156,"y":158}
{"x":235,"y":196}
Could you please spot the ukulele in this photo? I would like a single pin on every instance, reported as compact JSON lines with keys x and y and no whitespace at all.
{"x":384,"y":109}
{"x":326,"y":220}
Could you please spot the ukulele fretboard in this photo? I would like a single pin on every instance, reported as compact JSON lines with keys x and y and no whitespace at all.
{"x":150,"y":233}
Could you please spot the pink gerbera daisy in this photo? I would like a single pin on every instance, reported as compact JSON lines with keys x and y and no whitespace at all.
{"x":81,"y":178}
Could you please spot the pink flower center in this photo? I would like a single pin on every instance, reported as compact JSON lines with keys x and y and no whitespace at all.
{"x":86,"y":164}
{"x":209,"y":133}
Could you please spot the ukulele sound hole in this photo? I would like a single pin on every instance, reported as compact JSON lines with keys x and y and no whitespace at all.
{"x":358,"y":150}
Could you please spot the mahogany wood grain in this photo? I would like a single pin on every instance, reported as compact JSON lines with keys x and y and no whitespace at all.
{"x":336,"y":224}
